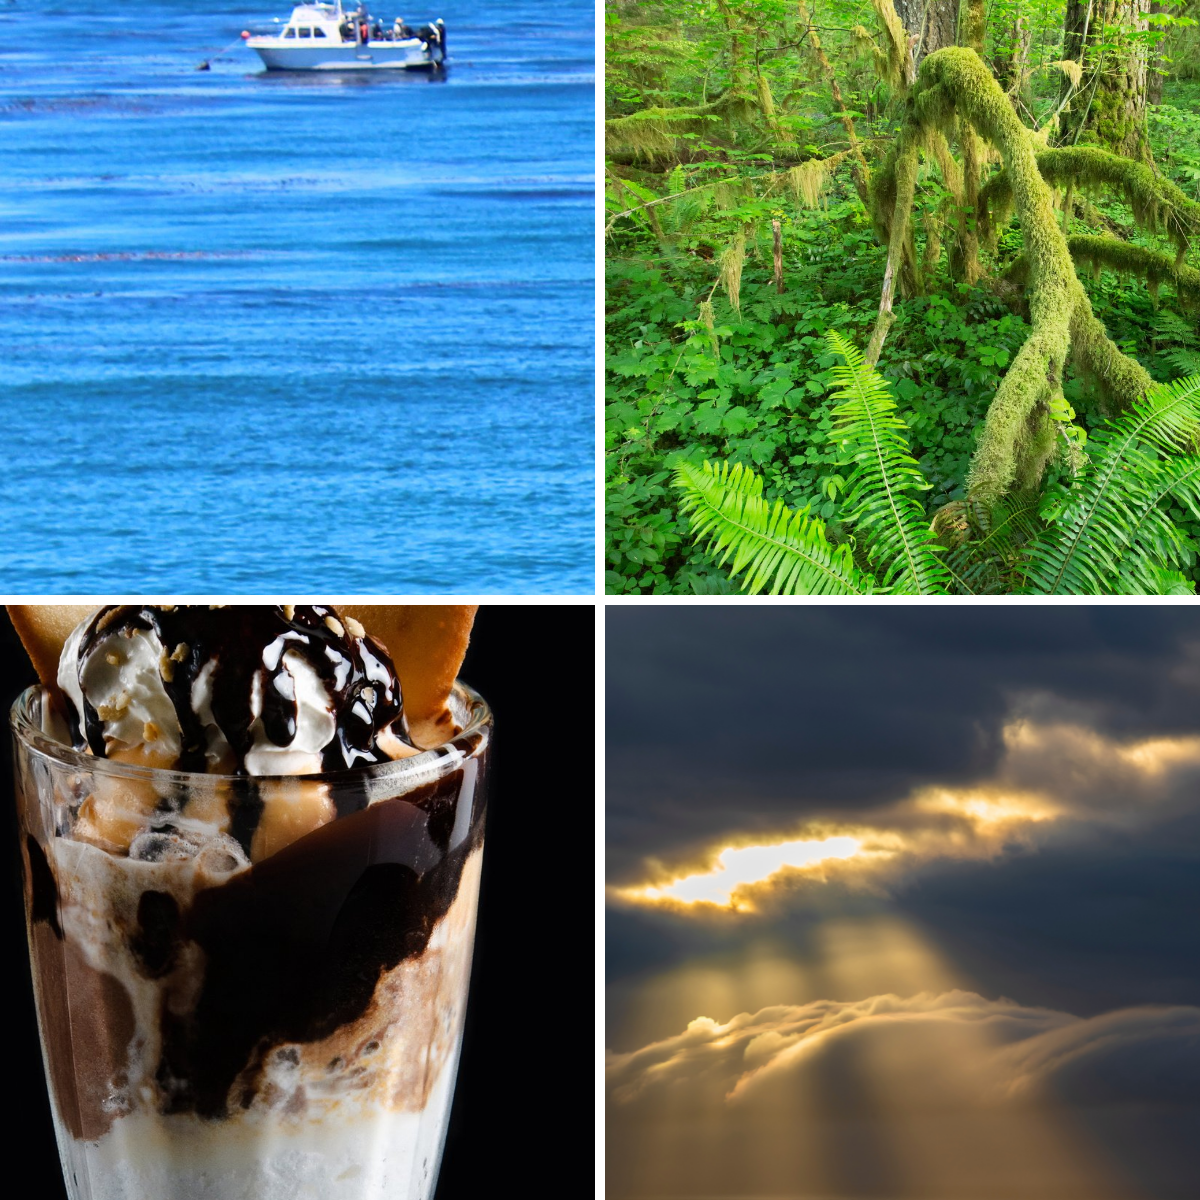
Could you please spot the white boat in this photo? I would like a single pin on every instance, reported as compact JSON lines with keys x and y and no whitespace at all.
{"x":327,"y":37}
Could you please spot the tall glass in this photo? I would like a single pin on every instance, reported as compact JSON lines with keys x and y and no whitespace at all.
{"x":226,"y":1019}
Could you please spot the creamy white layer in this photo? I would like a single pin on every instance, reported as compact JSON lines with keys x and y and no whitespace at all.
{"x":379,"y":1154}
{"x":370,"y":1127}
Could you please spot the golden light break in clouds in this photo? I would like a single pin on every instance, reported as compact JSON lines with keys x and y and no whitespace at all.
{"x":1049,"y":775}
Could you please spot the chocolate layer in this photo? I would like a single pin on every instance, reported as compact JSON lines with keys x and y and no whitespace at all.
{"x":292,"y":950}
{"x":86,"y":1014}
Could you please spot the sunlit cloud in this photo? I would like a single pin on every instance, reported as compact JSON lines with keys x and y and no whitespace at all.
{"x":737,"y":867}
{"x":1050,"y":776}
{"x":1003,"y":1052}
{"x":943,"y":1094}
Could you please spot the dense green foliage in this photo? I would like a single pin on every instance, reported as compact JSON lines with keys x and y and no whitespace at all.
{"x":1109,"y":533}
{"x":723,"y":120}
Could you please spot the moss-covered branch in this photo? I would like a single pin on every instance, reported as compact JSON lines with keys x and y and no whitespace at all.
{"x":954,"y":86}
{"x":653,"y":131}
{"x":1158,"y":205}
{"x":1100,"y":253}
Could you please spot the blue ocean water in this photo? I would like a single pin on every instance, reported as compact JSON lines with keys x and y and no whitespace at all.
{"x":294,"y":332}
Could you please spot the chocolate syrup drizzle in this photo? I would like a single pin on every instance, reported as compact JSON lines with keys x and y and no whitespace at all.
{"x":242,"y":642}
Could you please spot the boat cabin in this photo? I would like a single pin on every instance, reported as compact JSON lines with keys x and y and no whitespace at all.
{"x":310,"y":22}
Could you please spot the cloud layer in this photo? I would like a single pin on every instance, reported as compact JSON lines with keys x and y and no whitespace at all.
{"x":1003,"y":1053}
{"x":927,"y":1096}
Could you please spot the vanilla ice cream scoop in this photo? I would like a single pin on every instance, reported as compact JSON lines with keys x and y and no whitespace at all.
{"x":245,"y":690}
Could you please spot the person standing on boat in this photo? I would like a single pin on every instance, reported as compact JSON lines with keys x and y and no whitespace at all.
{"x":402,"y":31}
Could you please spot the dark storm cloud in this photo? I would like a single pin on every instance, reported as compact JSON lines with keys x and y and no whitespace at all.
{"x":721,"y":718}
{"x":1095,"y":911}
{"x":1103,"y":921}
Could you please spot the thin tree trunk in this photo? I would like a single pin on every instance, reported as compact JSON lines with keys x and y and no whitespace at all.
{"x":1154,"y":78}
{"x":775,"y":229}
{"x":859,"y":170}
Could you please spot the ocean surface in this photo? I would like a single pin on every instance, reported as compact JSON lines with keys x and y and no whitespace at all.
{"x":295,"y":332}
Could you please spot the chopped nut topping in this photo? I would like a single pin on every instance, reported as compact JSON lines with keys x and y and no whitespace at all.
{"x":336,"y":626}
{"x":166,"y":668}
{"x":150,"y":731}
{"x":167,"y":607}
{"x":355,"y":627}
{"x":180,"y":652}
{"x":368,"y":694}
{"x":289,"y":611}
{"x":113,"y":712}
{"x":112,"y":658}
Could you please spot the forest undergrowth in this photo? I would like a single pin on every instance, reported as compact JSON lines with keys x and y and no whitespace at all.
{"x":742,"y":229}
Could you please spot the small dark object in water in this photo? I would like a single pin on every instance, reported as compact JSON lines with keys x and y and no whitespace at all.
{"x":204,"y":66}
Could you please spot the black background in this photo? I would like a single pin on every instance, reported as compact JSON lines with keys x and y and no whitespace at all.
{"x":535,"y":666}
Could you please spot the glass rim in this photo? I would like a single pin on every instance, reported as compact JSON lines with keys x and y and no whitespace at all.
{"x":467,"y":743}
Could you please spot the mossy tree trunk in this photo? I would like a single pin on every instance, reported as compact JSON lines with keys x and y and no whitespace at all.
{"x":972,"y":24}
{"x":931,"y":22}
{"x":1110,"y":108}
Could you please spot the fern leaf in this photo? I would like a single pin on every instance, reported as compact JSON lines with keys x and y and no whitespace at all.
{"x":1114,"y":536}
{"x":990,"y":558}
{"x":769,"y":544}
{"x":881,"y":500}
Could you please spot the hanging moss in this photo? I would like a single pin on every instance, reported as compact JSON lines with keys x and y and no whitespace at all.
{"x":733,"y":258}
{"x":951,"y":172}
{"x":932,"y":254}
{"x":809,"y":179}
{"x":1072,"y":69}
{"x":1158,"y":205}
{"x":965,"y":262}
{"x":654,"y":131}
{"x":897,"y":66}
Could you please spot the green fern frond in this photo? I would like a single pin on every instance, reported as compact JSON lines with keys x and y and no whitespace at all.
{"x":990,"y":558}
{"x":1113,"y":536}
{"x":1185,"y":362}
{"x":769,"y":544}
{"x":881,"y":502}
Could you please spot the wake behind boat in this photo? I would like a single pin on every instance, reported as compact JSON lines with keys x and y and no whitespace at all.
{"x":327,"y":37}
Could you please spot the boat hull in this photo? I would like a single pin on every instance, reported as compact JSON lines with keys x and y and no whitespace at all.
{"x":411,"y":55}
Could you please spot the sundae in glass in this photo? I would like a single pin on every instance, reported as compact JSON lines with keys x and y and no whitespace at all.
{"x":251,"y":839}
